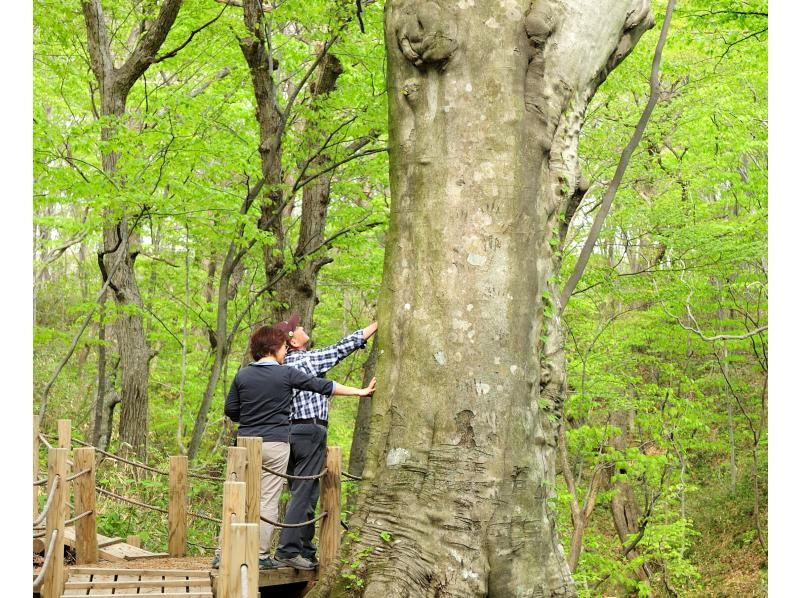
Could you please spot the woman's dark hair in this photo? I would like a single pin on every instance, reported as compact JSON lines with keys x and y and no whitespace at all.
{"x":267,"y":340}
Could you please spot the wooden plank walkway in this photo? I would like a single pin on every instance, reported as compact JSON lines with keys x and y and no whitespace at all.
{"x":187,"y":577}
{"x":102,"y":582}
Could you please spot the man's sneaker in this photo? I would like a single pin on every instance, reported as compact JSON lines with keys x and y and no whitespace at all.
{"x":268,"y":563}
{"x":312,"y":558}
{"x":215,"y":562}
{"x":298,"y":561}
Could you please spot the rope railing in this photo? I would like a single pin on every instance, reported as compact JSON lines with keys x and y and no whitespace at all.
{"x":305,"y":523}
{"x":79,"y":474}
{"x":146,"y":467}
{"x":48,"y":558}
{"x":350,"y":476}
{"x":50,"y":446}
{"x":44,"y":441}
{"x":286,"y":476}
{"x":40,"y":482}
{"x":67,"y":522}
{"x":47,"y":503}
{"x":151,"y":507}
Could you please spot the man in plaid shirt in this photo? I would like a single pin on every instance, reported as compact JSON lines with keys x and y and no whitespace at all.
{"x":308,"y":433}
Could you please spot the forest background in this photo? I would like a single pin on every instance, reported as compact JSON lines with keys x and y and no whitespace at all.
{"x":631,"y":355}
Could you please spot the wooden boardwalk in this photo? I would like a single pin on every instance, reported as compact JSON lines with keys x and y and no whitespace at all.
{"x":112,"y":567}
{"x":102,"y":582}
{"x":188,"y":577}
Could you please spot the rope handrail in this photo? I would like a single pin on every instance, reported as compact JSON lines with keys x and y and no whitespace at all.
{"x":305,"y":523}
{"x":295,"y":477}
{"x":355,"y":478}
{"x":50,"y":446}
{"x":68,"y":522}
{"x":151,"y":507}
{"x":44,"y":441}
{"x":49,"y":502}
{"x":48,"y":558}
{"x":77,"y":475}
{"x":40,"y":482}
{"x":143,"y":466}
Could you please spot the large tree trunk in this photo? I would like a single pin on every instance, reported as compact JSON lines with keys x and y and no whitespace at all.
{"x":486,"y":101}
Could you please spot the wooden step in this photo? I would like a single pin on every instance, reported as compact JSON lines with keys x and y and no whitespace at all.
{"x":202,"y":594}
{"x":96,"y":581}
{"x":113,"y":549}
{"x":149,"y":582}
{"x":86,"y":570}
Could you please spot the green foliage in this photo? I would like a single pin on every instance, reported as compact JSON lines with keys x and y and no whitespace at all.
{"x":683,"y":253}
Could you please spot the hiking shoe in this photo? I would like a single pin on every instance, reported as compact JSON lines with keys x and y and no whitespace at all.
{"x":312,"y":558}
{"x":215,"y":562}
{"x":266,"y":562}
{"x":298,"y":561}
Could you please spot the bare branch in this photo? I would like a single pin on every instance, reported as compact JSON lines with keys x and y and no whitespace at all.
{"x":300,"y":184}
{"x":172,"y":53}
{"x":719,"y":337}
{"x":611,"y":192}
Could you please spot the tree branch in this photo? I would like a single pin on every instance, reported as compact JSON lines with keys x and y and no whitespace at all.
{"x":172,"y":53}
{"x":611,"y":192}
{"x":300,"y":184}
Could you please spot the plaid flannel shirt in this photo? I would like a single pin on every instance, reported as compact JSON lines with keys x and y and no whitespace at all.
{"x":307,"y":404}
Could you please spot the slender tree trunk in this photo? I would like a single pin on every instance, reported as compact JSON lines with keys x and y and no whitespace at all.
{"x":221,"y":344}
{"x":358,"y":447}
{"x":731,"y":421}
{"x":486,"y":102}
{"x":298,"y":289}
{"x":115,"y":82}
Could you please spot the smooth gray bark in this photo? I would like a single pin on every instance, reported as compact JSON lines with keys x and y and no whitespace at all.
{"x":486,"y":102}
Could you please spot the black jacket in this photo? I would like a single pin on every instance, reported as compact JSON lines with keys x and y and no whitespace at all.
{"x":261,"y":396}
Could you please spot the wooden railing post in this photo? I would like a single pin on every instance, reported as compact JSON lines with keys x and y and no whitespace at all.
{"x":35,"y":465}
{"x":53,"y":582}
{"x":64,"y":433}
{"x":234,"y":501}
{"x":243,"y":551}
{"x":178,"y":469}
{"x":85,"y":528}
{"x":331,"y":503}
{"x":236,"y":469}
{"x":253,"y":476}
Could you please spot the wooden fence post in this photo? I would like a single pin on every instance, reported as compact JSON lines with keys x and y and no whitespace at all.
{"x":85,"y":528}
{"x":53,"y":582}
{"x":243,"y":551}
{"x":253,"y":475}
{"x":236,"y":469}
{"x":64,"y":433}
{"x":35,"y":465}
{"x":234,"y":501}
{"x":134,"y":541}
{"x":178,"y":468}
{"x":330,"y":502}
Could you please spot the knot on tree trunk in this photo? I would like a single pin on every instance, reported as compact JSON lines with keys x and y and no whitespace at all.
{"x":426,"y":34}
